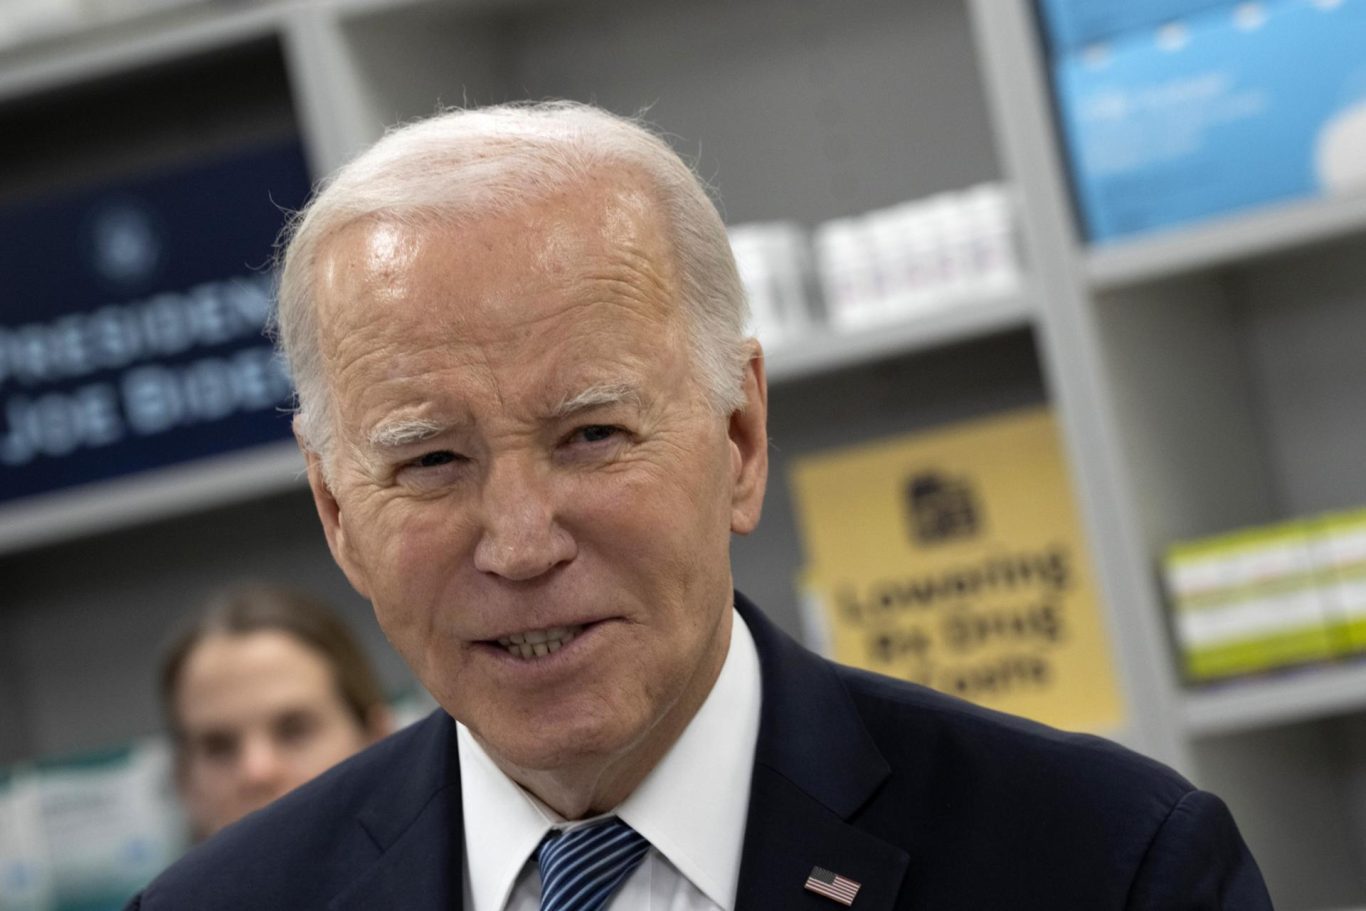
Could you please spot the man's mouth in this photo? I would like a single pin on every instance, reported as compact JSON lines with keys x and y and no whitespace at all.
{"x":538,"y":643}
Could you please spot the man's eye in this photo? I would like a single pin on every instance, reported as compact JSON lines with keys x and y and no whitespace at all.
{"x":597,"y":433}
{"x":432,"y":470}
{"x":434,"y":459}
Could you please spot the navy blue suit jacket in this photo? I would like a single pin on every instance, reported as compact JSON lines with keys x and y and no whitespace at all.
{"x":928,"y":802}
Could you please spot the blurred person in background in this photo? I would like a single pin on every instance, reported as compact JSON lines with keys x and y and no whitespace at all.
{"x":263,"y":690}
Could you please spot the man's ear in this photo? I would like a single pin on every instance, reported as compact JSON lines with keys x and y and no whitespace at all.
{"x":748,"y":431}
{"x":329,"y":511}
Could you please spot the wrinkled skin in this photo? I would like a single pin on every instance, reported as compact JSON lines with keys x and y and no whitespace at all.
{"x":522,"y":445}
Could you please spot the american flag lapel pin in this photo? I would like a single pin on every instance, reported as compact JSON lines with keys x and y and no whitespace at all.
{"x":832,"y":885}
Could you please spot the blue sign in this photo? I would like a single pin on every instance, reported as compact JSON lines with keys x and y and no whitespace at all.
{"x":131,"y":319}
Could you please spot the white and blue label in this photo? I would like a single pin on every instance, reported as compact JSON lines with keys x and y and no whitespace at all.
{"x":132,"y":317}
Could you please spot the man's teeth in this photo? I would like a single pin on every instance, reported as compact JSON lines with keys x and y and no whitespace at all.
{"x":537,"y":643}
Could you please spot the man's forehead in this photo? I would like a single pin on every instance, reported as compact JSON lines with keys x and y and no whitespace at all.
{"x":417,"y":318}
{"x":494,"y":271}
{"x":608,"y":209}
{"x":386,"y":247}
{"x":466,"y":273}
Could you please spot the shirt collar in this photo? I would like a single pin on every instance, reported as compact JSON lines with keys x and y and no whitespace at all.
{"x":692,"y":806}
{"x":502,"y":825}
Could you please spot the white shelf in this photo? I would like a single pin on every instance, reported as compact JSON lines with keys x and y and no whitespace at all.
{"x":1225,"y":241}
{"x":156,"y":494}
{"x":1299,"y":695}
{"x":91,"y":52}
{"x":358,"y":8}
{"x":353,"y":9}
{"x":829,"y":350}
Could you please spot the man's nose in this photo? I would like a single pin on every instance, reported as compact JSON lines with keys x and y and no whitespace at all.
{"x":520,"y":537}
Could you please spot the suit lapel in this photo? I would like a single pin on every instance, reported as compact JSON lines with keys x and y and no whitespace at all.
{"x":789,"y":833}
{"x":815,"y":765}
{"x":415,"y":821}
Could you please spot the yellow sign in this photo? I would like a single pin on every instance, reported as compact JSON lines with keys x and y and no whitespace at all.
{"x":954,"y":558}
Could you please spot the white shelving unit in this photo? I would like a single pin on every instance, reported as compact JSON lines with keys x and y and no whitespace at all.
{"x":1212,"y":385}
{"x":1199,"y":384}
{"x":822,"y":350}
{"x":176,"y":491}
{"x":1290,"y":697}
{"x":113,"y":48}
{"x":1225,"y":242}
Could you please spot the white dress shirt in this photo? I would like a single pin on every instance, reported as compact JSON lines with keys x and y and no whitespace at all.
{"x":691,"y":808}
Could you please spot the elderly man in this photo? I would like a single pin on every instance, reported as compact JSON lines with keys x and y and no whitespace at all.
{"x":532,"y":422}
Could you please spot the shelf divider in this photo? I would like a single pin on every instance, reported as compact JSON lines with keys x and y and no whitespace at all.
{"x":1225,"y":241}
{"x":827,"y":349}
{"x":161,"y":493}
{"x":1301,"y":694}
{"x":109,"y":48}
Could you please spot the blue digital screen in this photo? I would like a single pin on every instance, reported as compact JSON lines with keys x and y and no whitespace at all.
{"x":131,"y":318}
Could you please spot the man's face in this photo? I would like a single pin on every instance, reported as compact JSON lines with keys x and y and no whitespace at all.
{"x":260,"y":714}
{"x":529,"y":482}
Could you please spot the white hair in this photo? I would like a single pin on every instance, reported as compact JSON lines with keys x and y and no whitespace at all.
{"x":461,"y":165}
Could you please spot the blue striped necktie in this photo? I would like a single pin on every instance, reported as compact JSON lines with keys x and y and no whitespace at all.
{"x":581,"y":868}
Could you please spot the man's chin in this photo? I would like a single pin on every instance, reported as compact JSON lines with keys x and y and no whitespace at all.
{"x":568,"y":750}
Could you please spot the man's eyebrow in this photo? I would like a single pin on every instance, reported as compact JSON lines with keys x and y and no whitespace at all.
{"x":598,"y":396}
{"x":405,"y":432}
